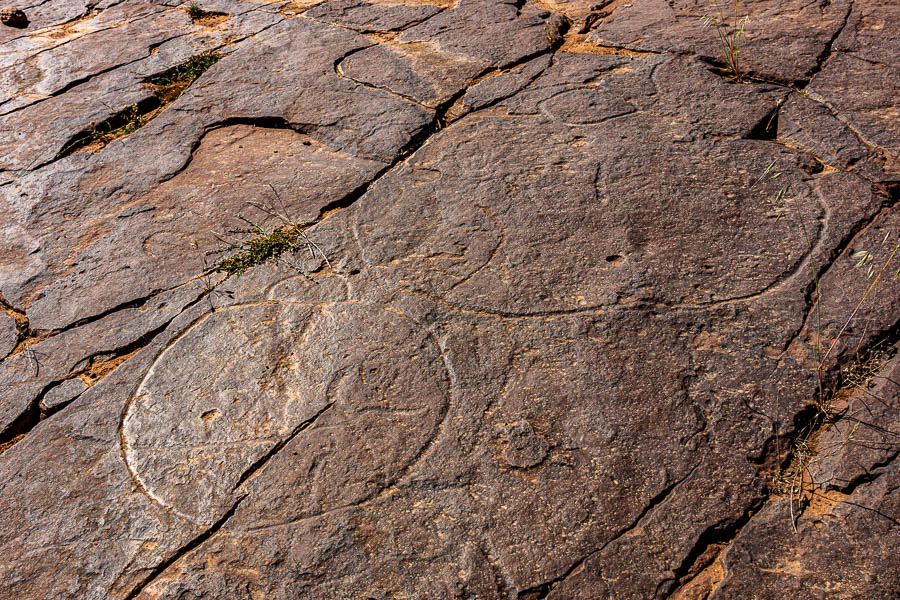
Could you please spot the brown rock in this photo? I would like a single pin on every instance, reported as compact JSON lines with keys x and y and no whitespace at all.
{"x":9,"y":334}
{"x":13,"y":17}
{"x":524,"y":448}
{"x":782,"y":40}
{"x":555,"y":327}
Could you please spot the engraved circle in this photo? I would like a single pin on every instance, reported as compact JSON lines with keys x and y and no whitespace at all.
{"x":349,"y":393}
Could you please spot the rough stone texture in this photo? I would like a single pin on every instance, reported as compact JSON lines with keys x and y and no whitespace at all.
{"x":552,"y":329}
{"x":63,"y":393}
{"x":847,"y":533}
{"x":366,"y":17}
{"x":9,"y":335}
{"x":854,"y":455}
{"x":785,"y":40}
{"x":413,"y":70}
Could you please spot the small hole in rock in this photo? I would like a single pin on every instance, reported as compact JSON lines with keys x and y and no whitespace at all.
{"x":615,"y":259}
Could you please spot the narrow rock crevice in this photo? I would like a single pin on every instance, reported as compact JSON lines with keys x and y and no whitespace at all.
{"x":183,"y":551}
{"x":543,"y":589}
{"x":824,"y":57}
{"x":23,"y":328}
{"x":719,"y":537}
{"x":248,"y":474}
{"x":260,"y":464}
{"x":873,"y":473}
{"x":401,"y":96}
{"x":94,"y":368}
{"x":853,"y":232}
{"x":91,"y":76}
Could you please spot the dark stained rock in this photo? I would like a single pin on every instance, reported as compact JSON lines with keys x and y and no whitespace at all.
{"x":859,"y":447}
{"x":13,"y":17}
{"x":98,"y":188}
{"x":524,"y":448}
{"x":863,"y":36}
{"x":97,"y":526}
{"x":812,"y":127}
{"x":50,"y":68}
{"x":856,"y":312}
{"x":843,"y":547}
{"x":476,"y":245}
{"x":872,"y":116}
{"x":551,"y":313}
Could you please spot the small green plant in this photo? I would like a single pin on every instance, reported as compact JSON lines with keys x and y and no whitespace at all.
{"x":863,"y":367}
{"x":194,"y":11}
{"x":730,"y":32}
{"x":98,"y":135}
{"x":266,"y":245}
{"x":167,"y":86}
{"x":186,"y":72}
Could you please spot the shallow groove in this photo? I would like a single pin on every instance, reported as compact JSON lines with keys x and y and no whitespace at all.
{"x":184,"y":550}
{"x":34,"y":414}
{"x":264,"y":459}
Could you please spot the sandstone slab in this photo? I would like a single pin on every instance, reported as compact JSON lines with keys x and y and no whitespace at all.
{"x":782,"y":40}
{"x":553,"y":327}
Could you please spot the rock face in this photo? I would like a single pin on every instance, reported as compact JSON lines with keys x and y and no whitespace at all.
{"x":564,"y":311}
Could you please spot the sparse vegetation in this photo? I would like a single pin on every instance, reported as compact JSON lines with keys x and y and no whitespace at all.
{"x":266,"y":246}
{"x":171,"y":83}
{"x":204,"y":17}
{"x":187,"y":71}
{"x":731,"y":32}
{"x":795,"y":480}
{"x":194,"y":11}
{"x":167,"y":86}
{"x":98,"y":135}
{"x":261,"y":245}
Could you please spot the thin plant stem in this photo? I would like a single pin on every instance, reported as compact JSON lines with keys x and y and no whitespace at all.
{"x":859,"y":305}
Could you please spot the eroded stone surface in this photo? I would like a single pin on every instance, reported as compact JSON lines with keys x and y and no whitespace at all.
{"x":366,"y":17}
{"x":555,"y":321}
{"x":9,"y":335}
{"x":782,"y":40}
{"x":355,"y":392}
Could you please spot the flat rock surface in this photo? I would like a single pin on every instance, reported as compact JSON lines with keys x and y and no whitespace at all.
{"x":428,"y":299}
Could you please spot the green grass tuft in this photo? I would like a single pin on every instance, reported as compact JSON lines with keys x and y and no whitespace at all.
{"x":194,"y":11}
{"x":730,"y":31}
{"x":266,"y":247}
{"x":186,"y":72}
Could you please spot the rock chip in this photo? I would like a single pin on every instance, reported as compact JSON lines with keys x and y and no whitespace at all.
{"x":524,"y":447}
{"x":63,"y":393}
